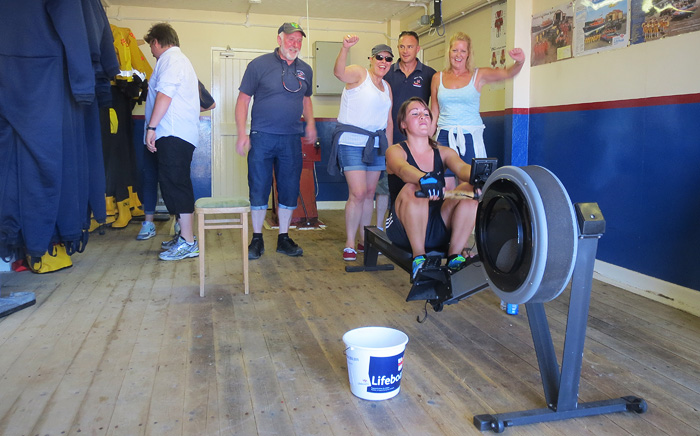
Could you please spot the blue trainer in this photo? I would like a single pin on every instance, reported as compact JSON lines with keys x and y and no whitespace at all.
{"x":456,"y":263}
{"x":418,"y":263}
{"x":148,"y":230}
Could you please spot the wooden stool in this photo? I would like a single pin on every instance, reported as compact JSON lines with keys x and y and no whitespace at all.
{"x":222,"y":205}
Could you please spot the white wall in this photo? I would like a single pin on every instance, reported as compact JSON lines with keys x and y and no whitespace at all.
{"x":667,"y":66}
{"x":200,"y":31}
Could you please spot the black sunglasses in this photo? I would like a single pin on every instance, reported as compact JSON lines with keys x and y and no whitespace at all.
{"x":382,"y":57}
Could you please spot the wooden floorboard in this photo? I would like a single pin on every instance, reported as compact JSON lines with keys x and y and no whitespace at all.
{"x":122,"y":344}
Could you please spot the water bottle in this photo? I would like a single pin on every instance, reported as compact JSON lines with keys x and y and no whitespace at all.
{"x":503,"y":305}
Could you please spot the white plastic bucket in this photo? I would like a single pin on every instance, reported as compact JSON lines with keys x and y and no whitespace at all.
{"x":375,"y":361}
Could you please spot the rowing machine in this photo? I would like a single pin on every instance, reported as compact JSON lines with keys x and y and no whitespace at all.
{"x":532,"y":242}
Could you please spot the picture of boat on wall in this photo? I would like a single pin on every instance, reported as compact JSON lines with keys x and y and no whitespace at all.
{"x":602,"y":27}
{"x":685,"y":9}
{"x":544,"y":25}
{"x":593,"y":25}
{"x":664,"y":18}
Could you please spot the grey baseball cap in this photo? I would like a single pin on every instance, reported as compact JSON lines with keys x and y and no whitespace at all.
{"x":290,"y":28}
{"x":380,"y":48}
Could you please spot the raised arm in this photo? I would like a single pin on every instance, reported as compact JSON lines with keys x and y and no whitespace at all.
{"x":491,"y":75}
{"x":351,"y":74}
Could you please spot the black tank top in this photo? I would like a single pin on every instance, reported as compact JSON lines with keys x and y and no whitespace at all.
{"x":395,"y":182}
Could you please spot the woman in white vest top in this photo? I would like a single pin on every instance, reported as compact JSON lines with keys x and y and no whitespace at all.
{"x":362,"y":135}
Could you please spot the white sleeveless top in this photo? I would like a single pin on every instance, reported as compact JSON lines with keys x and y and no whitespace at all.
{"x":366,"y":107}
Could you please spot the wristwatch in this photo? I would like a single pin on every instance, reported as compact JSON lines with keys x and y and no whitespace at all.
{"x":150,"y":128}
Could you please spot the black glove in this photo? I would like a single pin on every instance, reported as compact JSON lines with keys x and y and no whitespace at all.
{"x":430,"y":186}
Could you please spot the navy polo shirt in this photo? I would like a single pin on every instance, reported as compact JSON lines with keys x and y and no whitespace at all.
{"x":277,"y":110}
{"x":417,"y":84}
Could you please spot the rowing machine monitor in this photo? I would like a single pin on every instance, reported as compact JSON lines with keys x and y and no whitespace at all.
{"x":482,"y":167}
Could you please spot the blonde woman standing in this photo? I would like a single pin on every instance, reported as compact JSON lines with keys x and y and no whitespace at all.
{"x":457,"y":91}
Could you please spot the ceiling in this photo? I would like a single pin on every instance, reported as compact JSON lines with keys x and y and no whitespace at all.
{"x":367,"y":10}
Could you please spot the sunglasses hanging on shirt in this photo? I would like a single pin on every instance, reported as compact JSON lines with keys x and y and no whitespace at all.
{"x":287,"y":88}
{"x":284,"y":73}
{"x":382,"y":57}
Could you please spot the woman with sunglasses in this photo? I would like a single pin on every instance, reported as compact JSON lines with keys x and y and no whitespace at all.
{"x":362,"y":135}
{"x":456,"y":93}
{"x":421,"y":220}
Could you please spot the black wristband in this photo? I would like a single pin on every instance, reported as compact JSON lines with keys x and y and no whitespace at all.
{"x":150,"y":128}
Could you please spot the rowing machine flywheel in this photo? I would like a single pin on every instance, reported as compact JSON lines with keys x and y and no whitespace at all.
{"x":526,"y":234}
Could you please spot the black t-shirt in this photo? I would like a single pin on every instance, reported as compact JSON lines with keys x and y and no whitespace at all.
{"x":417,"y":84}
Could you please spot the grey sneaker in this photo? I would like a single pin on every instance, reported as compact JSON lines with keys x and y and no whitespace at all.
{"x":148,"y":230}
{"x":170,"y":243}
{"x":182,"y":250}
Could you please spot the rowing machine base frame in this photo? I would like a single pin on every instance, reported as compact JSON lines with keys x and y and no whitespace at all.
{"x":561,"y":388}
{"x":434,"y":284}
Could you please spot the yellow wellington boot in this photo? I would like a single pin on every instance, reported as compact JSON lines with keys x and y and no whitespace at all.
{"x":111,"y":207}
{"x":124,"y":215}
{"x":135,"y":203}
{"x":94,"y":225}
{"x":50,"y":262}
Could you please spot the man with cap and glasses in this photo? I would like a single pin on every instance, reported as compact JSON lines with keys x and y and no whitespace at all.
{"x":282,"y":86}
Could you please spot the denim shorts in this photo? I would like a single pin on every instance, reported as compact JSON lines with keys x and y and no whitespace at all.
{"x":443,"y":139}
{"x":279,"y":153}
{"x":350,"y":159}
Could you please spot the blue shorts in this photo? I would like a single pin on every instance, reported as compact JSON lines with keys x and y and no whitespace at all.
{"x":350,"y":159}
{"x":442,"y":139}
{"x":281,"y":153}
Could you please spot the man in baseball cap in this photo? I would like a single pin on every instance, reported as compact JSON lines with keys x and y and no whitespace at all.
{"x":282,"y":86}
{"x":290,"y":28}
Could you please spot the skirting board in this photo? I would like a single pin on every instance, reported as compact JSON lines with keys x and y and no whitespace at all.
{"x":330,"y":205}
{"x":685,"y":299}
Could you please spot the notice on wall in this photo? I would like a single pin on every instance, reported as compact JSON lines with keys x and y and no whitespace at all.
{"x":600,"y":25}
{"x":552,"y":35}
{"x":656,"y":19}
{"x":498,"y":40}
